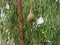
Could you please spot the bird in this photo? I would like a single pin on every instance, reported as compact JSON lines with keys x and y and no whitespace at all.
{"x":31,"y":16}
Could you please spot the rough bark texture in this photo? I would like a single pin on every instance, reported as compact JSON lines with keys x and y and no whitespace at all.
{"x":21,"y":23}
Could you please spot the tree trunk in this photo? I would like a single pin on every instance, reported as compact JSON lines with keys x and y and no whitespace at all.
{"x":21,"y":23}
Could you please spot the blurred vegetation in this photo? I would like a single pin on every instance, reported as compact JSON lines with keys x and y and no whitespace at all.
{"x":47,"y":33}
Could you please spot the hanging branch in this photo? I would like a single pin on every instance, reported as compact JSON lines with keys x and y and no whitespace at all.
{"x":21,"y":23}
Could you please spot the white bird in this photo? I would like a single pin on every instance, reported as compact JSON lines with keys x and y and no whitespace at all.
{"x":7,"y":6}
{"x":40,"y":20}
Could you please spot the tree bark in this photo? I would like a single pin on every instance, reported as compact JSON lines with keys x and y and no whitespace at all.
{"x":21,"y":23}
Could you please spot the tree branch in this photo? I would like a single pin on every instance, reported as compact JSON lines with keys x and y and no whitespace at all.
{"x":21,"y":23}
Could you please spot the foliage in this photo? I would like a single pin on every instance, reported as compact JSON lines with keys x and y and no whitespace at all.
{"x":47,"y":33}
